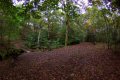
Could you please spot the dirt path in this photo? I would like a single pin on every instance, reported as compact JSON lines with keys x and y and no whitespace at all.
{"x":79,"y":62}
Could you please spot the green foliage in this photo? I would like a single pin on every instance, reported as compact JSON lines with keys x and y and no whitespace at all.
{"x":10,"y":53}
{"x":116,"y":4}
{"x":31,"y":40}
{"x":3,"y":54}
{"x":50,"y":26}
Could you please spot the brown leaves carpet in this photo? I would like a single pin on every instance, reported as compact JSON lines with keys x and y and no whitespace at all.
{"x":78,"y":62}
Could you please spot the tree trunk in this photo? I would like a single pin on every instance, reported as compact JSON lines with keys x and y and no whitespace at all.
{"x":67,"y":28}
{"x":38,"y":39}
{"x":48,"y":28}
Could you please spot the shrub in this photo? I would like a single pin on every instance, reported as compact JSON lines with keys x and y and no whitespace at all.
{"x":31,"y":40}
{"x":10,"y":53}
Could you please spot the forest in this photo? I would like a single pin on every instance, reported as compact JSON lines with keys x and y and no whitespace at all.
{"x":59,"y":39}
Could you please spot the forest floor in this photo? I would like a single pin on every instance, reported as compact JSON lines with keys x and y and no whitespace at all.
{"x":84,"y":61}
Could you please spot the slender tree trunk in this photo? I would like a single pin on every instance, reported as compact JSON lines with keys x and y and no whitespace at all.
{"x":38,"y":39}
{"x":67,"y":28}
{"x":48,"y":28}
{"x":1,"y":33}
{"x":107,"y":32}
{"x":66,"y":5}
{"x":48,"y":45}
